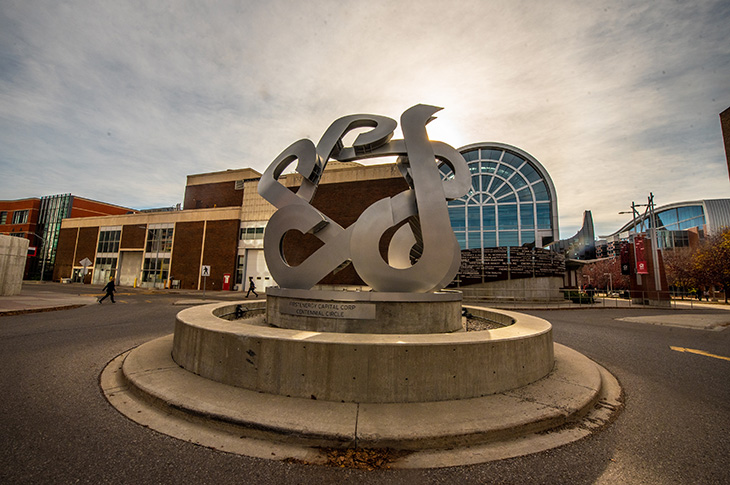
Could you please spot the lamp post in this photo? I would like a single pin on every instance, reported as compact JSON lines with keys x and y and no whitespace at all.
{"x":654,"y":243}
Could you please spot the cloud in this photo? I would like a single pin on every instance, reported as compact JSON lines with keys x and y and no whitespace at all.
{"x":120,"y":101}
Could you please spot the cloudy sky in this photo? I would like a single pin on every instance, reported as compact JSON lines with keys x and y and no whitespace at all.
{"x":119,"y":101}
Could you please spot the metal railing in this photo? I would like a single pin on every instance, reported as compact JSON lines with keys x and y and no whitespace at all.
{"x":573,"y":298}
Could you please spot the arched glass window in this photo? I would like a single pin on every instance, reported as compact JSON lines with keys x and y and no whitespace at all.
{"x":509,"y":203}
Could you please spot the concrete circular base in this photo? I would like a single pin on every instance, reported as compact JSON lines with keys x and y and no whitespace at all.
{"x":363,"y":368}
{"x":363,"y":311}
{"x":576,"y":398}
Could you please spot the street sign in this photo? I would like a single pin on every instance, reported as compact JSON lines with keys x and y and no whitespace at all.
{"x":32,"y":250}
{"x":205,"y":271}
{"x":85,"y":262}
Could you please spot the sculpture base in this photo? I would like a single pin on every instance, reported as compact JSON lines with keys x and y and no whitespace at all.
{"x":363,"y":312}
{"x":358,"y":367}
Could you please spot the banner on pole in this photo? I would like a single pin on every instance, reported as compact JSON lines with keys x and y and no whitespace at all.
{"x":641,"y":266}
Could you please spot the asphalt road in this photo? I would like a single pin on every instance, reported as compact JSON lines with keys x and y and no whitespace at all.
{"x":58,"y":428}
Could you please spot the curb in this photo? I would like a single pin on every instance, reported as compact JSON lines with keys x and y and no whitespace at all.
{"x":148,"y":387}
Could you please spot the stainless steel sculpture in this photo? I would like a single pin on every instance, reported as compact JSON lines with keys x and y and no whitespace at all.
{"x":423,"y":255}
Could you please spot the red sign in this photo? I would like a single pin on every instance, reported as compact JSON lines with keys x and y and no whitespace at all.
{"x":226,"y":282}
{"x":641,"y":266}
{"x":32,"y":251}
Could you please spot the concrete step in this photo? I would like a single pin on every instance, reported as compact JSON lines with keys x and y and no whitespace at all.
{"x":578,"y":396}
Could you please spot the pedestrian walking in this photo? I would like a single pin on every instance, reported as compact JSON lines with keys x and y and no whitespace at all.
{"x":110,"y":289}
{"x":251,"y":287}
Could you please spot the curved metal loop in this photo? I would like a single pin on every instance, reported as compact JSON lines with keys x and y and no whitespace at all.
{"x":440,"y":253}
{"x":330,"y":145}
{"x":440,"y":247}
{"x":305,"y":153}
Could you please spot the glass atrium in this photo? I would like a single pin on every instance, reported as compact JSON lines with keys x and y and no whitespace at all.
{"x":511,"y":201}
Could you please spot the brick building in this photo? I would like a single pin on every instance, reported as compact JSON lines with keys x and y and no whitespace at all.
{"x":221,"y":226}
{"x":39,"y":219}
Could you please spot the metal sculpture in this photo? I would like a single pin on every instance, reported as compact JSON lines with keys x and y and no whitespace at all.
{"x":423,"y":254}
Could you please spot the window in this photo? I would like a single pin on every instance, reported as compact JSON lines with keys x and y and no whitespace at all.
{"x":543,"y":216}
{"x":472,"y":155}
{"x":155,"y":270}
{"x":159,"y":240}
{"x":251,"y":233}
{"x":541,"y":192}
{"x":240,"y":265}
{"x":489,"y":220}
{"x":3,"y":217}
{"x":512,"y":159}
{"x":509,"y":238}
{"x":527,"y":216}
{"x":507,"y":217}
{"x":504,"y":171}
{"x":20,"y":217}
{"x":530,"y":173}
{"x":528,"y":237}
{"x":104,"y":268}
{"x":517,"y":181}
{"x":458,"y":219}
{"x":108,"y":241}
{"x":474,"y":219}
{"x":491,"y":154}
{"x":509,"y":200}
{"x":689,"y":212}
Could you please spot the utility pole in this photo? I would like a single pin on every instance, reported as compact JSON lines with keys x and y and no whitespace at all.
{"x":654,"y":243}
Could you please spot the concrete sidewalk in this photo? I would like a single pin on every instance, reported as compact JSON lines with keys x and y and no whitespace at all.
{"x":38,"y":296}
{"x":31,"y":300}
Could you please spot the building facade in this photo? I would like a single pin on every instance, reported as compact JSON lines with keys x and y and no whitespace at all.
{"x":512,"y":202}
{"x":676,"y":224}
{"x":39,"y":221}
{"x":221,"y":226}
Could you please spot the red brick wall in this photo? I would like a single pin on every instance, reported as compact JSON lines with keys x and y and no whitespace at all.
{"x":343,"y":203}
{"x":63,"y":267}
{"x":221,"y":247}
{"x":89,"y":208}
{"x":86,"y":247}
{"x":186,"y":254}
{"x":133,"y":236}
{"x":32,"y":205}
{"x":222,"y":194}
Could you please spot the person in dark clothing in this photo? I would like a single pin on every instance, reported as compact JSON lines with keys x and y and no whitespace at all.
{"x":251,"y":287}
{"x":109,"y":288}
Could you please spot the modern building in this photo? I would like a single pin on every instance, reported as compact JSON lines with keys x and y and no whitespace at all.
{"x":39,"y":220}
{"x":582,"y":246}
{"x":675,"y":222}
{"x":512,"y":200}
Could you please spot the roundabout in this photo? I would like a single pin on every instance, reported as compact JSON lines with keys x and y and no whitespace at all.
{"x":382,"y":366}
{"x":574,"y":398}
